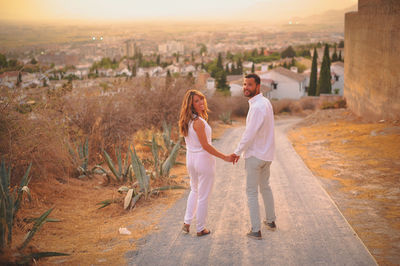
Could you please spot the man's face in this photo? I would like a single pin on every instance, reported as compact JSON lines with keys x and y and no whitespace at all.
{"x":250,"y":87}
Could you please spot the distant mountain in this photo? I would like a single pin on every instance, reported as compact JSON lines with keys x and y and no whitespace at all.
{"x":327,"y":17}
{"x":283,"y":11}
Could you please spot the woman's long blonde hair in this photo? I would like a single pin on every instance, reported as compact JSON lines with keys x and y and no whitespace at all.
{"x":187,"y":110}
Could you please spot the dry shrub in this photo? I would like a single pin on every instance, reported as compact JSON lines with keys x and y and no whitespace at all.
{"x":286,"y":106}
{"x":111,"y":121}
{"x":218,"y":105}
{"x":33,"y":137}
{"x":309,"y":103}
{"x":240,"y":106}
{"x":41,"y":136}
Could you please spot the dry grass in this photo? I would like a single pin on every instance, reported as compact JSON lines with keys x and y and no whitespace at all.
{"x":357,"y":165}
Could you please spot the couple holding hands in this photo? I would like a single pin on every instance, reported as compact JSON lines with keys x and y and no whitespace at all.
{"x":257,"y":144}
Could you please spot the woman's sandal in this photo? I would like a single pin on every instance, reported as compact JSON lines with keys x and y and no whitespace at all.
{"x":203,"y":232}
{"x":185,"y":228}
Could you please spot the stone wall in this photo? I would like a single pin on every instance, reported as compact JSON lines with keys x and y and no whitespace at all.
{"x":372,"y":64}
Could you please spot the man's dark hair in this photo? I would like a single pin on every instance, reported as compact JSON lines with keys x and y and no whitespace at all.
{"x":255,"y":77}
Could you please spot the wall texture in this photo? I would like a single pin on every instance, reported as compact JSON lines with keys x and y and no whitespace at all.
{"x":372,"y":64}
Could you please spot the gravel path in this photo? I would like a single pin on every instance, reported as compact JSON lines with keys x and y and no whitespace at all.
{"x":311,"y":230}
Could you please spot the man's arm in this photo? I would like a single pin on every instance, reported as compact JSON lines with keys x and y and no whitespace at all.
{"x":256,"y":118}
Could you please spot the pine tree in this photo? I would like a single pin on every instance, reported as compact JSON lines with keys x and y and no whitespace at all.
{"x":313,"y":76}
{"x":288,"y":52}
{"x":324,"y":82}
{"x":252,"y":68}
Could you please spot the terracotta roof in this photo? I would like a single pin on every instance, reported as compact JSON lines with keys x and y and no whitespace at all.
{"x":230,"y":78}
{"x":338,"y":63}
{"x":290,"y":74}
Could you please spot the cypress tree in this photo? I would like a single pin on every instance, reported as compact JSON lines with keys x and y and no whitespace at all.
{"x":252,"y":68}
{"x":334,"y":55}
{"x":340,"y":56}
{"x":227,"y":68}
{"x":239,"y":67}
{"x":313,"y":76}
{"x":221,"y":81}
{"x":168,"y":80}
{"x":326,"y":54}
{"x":147,"y":82}
{"x":219,"y":62}
{"x":324,"y":82}
{"x":158,"y":60}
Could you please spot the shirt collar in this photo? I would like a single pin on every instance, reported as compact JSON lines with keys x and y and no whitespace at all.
{"x":255,"y":98}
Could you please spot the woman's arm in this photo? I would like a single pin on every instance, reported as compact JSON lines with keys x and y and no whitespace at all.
{"x":199,"y":128}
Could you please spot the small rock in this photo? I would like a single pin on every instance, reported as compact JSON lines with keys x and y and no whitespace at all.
{"x":373,"y":133}
{"x":381,"y":121}
{"x":124,"y":231}
{"x":344,"y":141}
{"x":101,"y":260}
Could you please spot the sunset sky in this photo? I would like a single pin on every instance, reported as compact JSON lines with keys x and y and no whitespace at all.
{"x":161,"y":9}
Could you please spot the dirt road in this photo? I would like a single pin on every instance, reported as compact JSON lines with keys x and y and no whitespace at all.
{"x":311,"y":230}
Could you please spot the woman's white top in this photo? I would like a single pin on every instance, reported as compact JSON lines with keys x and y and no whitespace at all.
{"x":192,"y":141}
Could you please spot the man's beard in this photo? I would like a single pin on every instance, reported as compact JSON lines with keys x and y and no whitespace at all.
{"x":250,"y":94}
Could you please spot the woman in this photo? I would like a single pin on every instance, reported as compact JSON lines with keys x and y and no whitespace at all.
{"x":200,"y":162}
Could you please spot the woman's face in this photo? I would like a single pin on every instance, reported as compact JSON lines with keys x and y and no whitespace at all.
{"x":198,"y":104}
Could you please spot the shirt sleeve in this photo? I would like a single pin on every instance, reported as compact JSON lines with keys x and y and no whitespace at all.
{"x":256,"y":118}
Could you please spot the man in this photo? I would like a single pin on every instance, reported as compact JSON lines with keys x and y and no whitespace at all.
{"x":258,"y":145}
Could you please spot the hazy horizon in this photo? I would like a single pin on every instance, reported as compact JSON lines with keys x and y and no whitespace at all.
{"x":59,"y":11}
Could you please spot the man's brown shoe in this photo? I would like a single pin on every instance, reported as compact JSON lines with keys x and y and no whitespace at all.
{"x":255,"y":235}
{"x":203,"y":232}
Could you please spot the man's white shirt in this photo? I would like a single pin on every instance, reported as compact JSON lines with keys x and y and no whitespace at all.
{"x":258,"y":137}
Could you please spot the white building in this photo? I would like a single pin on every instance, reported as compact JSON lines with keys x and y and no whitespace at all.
{"x":171,"y":47}
{"x":337,"y":72}
{"x":210,"y":86}
{"x":284,"y":83}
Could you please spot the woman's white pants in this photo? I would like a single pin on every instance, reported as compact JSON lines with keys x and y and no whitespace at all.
{"x":201,"y":168}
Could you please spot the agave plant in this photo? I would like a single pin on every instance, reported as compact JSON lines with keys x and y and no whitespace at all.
{"x":141,"y":188}
{"x":80,"y":155}
{"x":10,"y":202}
{"x":226,"y":117}
{"x":124,"y":170}
{"x":163,"y":167}
{"x":167,"y":136}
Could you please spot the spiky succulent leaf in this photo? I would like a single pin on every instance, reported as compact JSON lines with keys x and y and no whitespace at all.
{"x":135,"y":199}
{"x":139,"y":170}
{"x":111,"y":165}
{"x":36,"y":227}
{"x":128,"y":198}
{"x":170,"y":161}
